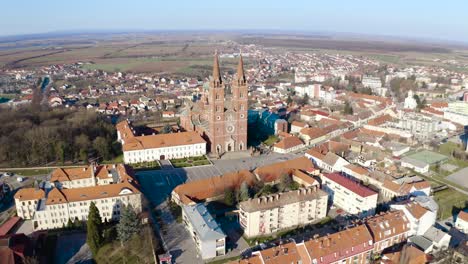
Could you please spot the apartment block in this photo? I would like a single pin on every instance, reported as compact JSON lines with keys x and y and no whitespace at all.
{"x":388,"y":229}
{"x":206,"y":233}
{"x":54,"y":204}
{"x":349,"y":195}
{"x":269,"y":214}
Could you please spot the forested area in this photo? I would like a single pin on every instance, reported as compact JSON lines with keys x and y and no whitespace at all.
{"x":35,"y":137}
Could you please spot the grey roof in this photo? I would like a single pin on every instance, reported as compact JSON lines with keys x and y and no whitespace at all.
{"x":435,"y":234}
{"x":394,"y":145}
{"x":421,"y":242}
{"x":331,"y":158}
{"x":202,"y":222}
{"x":415,"y":162}
{"x":427,"y":202}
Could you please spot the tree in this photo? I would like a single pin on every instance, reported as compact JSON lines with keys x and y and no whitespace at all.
{"x":167,"y":129}
{"x":244,"y":192}
{"x":285,"y":182}
{"x":94,"y":229}
{"x":229,"y":197}
{"x":70,"y":224}
{"x":305,"y":99}
{"x":289,"y":100}
{"x":101,"y":145}
{"x":60,"y":150}
{"x":128,"y":225}
{"x":348,"y":109}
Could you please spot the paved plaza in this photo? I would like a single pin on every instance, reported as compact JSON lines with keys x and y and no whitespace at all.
{"x":460,"y":177}
{"x":157,"y":186}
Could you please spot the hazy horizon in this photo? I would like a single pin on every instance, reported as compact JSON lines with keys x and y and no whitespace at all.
{"x":432,"y":20}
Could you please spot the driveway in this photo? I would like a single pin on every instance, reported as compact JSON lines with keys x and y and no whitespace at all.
{"x":178,"y":241}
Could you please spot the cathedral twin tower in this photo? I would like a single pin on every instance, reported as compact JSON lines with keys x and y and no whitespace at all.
{"x":221,"y":117}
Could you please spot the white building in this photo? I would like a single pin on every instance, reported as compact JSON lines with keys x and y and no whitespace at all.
{"x":54,"y":207}
{"x":421,"y":218}
{"x":158,"y":147}
{"x":440,"y":239}
{"x":206,"y":233}
{"x":269,"y":214}
{"x":329,"y":162}
{"x":416,"y":165}
{"x":288,"y":145}
{"x":462,"y":222}
{"x":457,"y":112}
{"x":421,"y":126}
{"x":312,"y":90}
{"x":349,"y":195}
{"x":371,"y":82}
{"x":410,"y":102}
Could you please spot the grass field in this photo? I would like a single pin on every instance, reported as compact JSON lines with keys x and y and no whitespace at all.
{"x":136,"y":250}
{"x":190,"y":162}
{"x":271,"y":140}
{"x":30,"y":172}
{"x":449,"y":200}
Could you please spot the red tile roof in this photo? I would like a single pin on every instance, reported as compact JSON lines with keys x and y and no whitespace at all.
{"x":350,"y":184}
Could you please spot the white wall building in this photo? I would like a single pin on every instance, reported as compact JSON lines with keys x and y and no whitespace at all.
{"x":269,"y":214}
{"x":53,"y":208}
{"x":462,"y":222}
{"x":158,"y":147}
{"x":349,"y":195}
{"x":206,"y":233}
{"x":421,"y":218}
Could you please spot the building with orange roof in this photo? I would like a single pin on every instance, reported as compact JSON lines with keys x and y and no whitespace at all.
{"x":273,"y":172}
{"x":399,"y":189}
{"x":420,"y":217}
{"x":158,"y":147}
{"x":26,"y":200}
{"x":272,"y":213}
{"x":285,"y":253}
{"x":296,"y":126}
{"x":388,"y":229}
{"x":288,"y":145}
{"x":92,"y":175}
{"x":210,"y":188}
{"x":353,"y":245}
{"x":53,"y":208}
{"x":313,"y":135}
{"x":407,"y":255}
{"x":462,"y":222}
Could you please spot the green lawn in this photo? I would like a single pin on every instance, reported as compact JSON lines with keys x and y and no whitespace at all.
{"x":226,"y":260}
{"x":449,"y":200}
{"x":118,"y":159}
{"x":136,"y":250}
{"x":31,"y":172}
{"x":190,"y":162}
{"x":150,"y":165}
{"x":448,"y":148}
{"x":271,"y":140}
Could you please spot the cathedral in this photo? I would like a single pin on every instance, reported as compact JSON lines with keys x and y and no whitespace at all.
{"x":220,"y":116}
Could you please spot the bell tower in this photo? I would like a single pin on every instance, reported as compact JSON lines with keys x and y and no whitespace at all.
{"x":216,"y":108}
{"x":240,"y":104}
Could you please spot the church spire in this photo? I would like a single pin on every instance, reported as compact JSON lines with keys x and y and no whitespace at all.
{"x":240,"y":70}
{"x":216,"y":76}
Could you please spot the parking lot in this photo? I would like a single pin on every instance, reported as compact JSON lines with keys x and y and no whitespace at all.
{"x":158,"y":184}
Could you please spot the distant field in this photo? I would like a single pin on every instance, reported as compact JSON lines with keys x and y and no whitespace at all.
{"x":188,"y":53}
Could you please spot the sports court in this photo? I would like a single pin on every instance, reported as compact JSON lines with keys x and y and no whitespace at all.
{"x":428,"y":157}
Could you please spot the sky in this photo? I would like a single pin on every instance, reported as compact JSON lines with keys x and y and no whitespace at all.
{"x":433,"y":19}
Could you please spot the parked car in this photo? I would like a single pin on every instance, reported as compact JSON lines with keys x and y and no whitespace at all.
{"x":20,"y":179}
